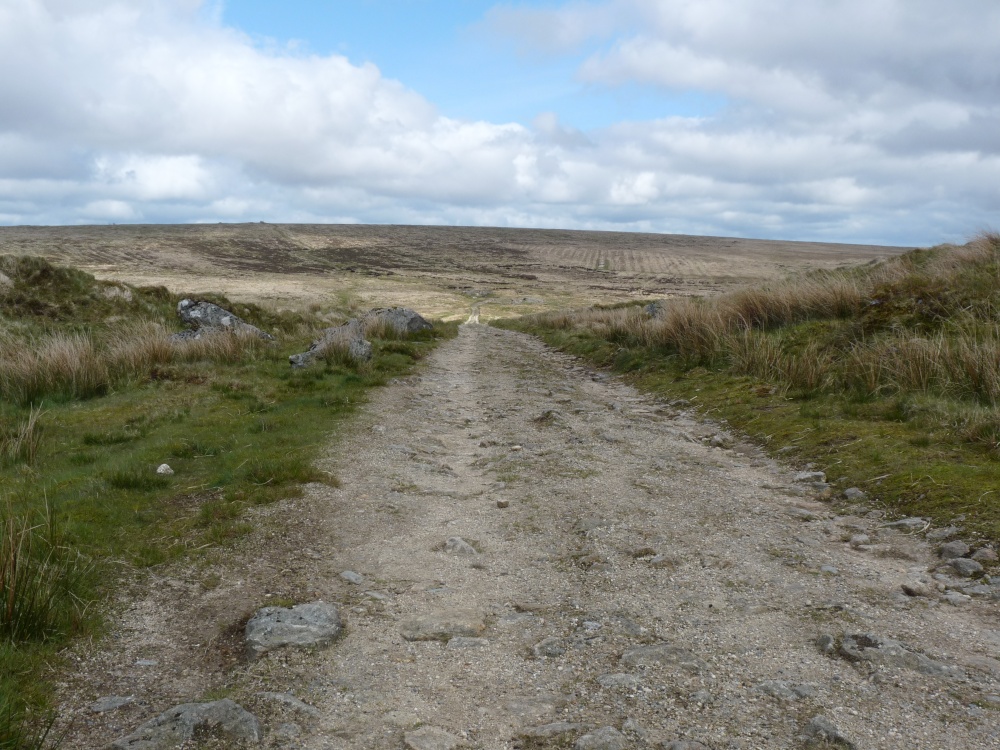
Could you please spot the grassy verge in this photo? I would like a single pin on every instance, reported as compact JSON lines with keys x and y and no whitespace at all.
{"x":81,"y":496}
{"x":886,"y":377}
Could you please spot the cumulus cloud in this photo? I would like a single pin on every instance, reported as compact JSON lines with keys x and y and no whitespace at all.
{"x":868,"y":121}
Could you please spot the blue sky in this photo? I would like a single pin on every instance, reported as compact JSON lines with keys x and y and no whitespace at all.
{"x":846,"y":120}
{"x":447,"y":52}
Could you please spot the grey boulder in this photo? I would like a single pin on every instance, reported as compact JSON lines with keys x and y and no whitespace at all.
{"x":348,"y":338}
{"x":606,"y":738}
{"x":174,"y":728}
{"x":207,"y":318}
{"x":304,"y":625}
{"x":400,"y":319}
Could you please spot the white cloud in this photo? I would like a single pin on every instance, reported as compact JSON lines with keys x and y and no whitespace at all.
{"x":852,"y":120}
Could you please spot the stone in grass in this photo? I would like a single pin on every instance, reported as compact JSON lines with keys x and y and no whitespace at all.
{"x":443,"y":626}
{"x":458,"y":546}
{"x":430,"y":738}
{"x":907,"y":523}
{"x":662,"y":654}
{"x":164,"y":470}
{"x":304,"y":625}
{"x":938,"y":534}
{"x":808,"y":477}
{"x":855,"y":494}
{"x":606,"y":738}
{"x":821,"y":729}
{"x":174,"y":728}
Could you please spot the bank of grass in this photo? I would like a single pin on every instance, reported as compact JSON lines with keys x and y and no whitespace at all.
{"x":79,"y":491}
{"x":887,"y":376}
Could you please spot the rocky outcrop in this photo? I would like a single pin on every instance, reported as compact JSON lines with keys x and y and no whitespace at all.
{"x":401,"y":319}
{"x":206,"y":318}
{"x":176,"y":727}
{"x":348,"y":338}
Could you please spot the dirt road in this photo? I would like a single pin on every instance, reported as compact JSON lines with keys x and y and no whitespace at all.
{"x":640,"y":586}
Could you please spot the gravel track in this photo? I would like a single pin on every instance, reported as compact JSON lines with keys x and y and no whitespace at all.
{"x":638,"y":578}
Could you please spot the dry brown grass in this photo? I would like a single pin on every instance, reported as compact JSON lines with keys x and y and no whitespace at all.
{"x":77,"y":365}
{"x":958,"y":357}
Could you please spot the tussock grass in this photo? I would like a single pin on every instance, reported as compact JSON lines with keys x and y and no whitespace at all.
{"x":908,"y":349}
{"x":79,"y":365}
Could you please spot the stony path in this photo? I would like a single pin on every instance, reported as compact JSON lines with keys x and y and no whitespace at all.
{"x":538,"y":556}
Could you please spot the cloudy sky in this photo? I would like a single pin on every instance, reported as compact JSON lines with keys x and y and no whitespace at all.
{"x":846,"y":120}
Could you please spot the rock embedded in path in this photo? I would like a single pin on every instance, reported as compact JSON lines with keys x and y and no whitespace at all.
{"x":620,"y":680}
{"x":552,"y":731}
{"x":938,"y":534}
{"x":682,"y":745}
{"x":431,"y":738}
{"x":662,"y":654}
{"x":443,"y":626}
{"x":208,"y":318}
{"x":174,"y":728}
{"x":550,"y":647}
{"x":606,"y":738}
{"x":879,"y":650}
{"x":823,"y":730}
{"x":855,"y":494}
{"x":455,"y":545}
{"x":351,"y":577}
{"x":111,"y":703}
{"x":462,"y":641}
{"x":304,"y":625}
{"x":786,"y":691}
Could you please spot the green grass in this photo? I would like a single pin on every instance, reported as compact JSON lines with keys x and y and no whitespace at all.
{"x":236,"y":433}
{"x":895,"y":393}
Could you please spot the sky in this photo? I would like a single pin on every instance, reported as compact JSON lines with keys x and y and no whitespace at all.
{"x":871,"y":121}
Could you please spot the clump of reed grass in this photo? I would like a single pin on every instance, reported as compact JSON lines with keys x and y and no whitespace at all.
{"x":38,"y":579}
{"x":19,"y":444}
